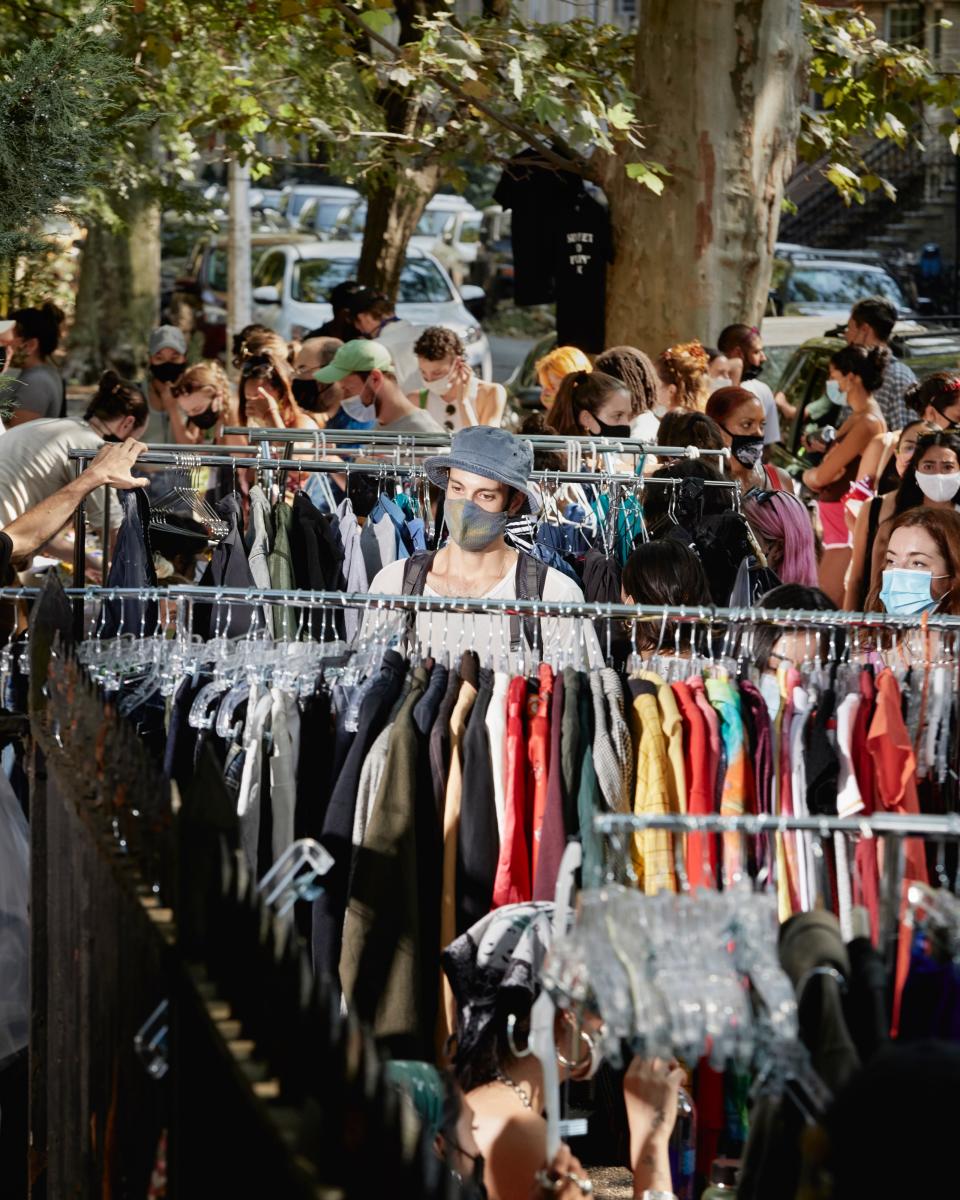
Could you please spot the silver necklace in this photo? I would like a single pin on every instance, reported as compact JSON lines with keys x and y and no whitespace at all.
{"x":505,"y":1079}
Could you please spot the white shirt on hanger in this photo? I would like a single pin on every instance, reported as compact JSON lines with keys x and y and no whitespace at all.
{"x":448,"y":635}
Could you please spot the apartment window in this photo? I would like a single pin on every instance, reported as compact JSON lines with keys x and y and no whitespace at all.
{"x":626,"y":8}
{"x":905,"y":23}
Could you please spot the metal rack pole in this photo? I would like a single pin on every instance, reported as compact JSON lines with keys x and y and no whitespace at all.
{"x":946,"y":825}
{"x":585,"y":609}
{"x":439,"y":441}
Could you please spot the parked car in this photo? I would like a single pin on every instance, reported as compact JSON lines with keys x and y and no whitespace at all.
{"x":803,"y":380}
{"x":292,"y":283}
{"x":295,"y":196}
{"x":325,"y":210}
{"x":202,"y":288}
{"x":449,"y":229}
{"x":822,"y":285}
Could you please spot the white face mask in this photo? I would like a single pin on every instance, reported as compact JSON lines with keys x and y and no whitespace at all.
{"x":939,"y":488}
{"x":720,"y":382}
{"x":439,"y":387}
{"x":659,"y":411}
{"x":355,"y":408}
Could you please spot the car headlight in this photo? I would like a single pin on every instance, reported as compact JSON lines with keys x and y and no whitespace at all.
{"x":473,"y":333}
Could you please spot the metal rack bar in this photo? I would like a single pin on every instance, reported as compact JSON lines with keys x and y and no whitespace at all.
{"x":945,"y":825}
{"x":590,"y":610}
{"x":380,"y":468}
{"x":408,"y":441}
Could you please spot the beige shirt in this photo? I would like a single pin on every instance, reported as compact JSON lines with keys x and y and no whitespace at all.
{"x":34,"y":465}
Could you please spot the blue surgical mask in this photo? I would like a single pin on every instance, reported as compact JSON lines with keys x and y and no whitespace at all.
{"x":834,"y":394}
{"x":908,"y":593}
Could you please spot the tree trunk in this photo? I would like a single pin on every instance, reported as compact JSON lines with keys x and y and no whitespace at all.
{"x":393,"y":209}
{"x":720,"y":88}
{"x":118,"y":294}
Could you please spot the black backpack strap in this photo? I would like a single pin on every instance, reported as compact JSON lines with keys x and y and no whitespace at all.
{"x":529,"y":583}
{"x":416,"y":568}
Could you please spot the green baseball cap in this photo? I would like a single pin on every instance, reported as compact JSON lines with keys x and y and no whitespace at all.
{"x":355,"y":358}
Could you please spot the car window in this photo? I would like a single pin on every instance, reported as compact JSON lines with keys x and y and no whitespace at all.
{"x":433,"y":224}
{"x":470,"y":232}
{"x":420,"y":281}
{"x":330,"y":214}
{"x":839,"y":285}
{"x":297,"y":201}
{"x":269,"y":271}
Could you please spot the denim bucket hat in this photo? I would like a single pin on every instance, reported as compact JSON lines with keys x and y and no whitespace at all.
{"x":490,"y":452}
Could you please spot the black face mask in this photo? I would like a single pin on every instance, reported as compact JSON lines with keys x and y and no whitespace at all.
{"x":111,"y":437}
{"x":167,"y":372}
{"x":746,"y":450}
{"x":206,"y":419}
{"x":306,"y":392}
{"x":750,"y":372}
{"x":612,"y":431}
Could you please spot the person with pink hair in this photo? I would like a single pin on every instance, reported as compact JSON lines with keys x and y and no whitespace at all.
{"x":785,"y":531}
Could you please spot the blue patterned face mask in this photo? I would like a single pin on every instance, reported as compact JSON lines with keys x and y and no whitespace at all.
{"x":908,"y":593}
{"x":472,"y":527}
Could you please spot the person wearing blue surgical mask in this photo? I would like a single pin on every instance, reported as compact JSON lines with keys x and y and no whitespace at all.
{"x":921,"y":572}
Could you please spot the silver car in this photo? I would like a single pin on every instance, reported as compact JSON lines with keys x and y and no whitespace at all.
{"x":292,"y":283}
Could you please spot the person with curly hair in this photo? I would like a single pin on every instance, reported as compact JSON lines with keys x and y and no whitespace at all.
{"x":632,"y":367}
{"x":201,"y":402}
{"x":452,"y":394}
{"x":683,"y":379}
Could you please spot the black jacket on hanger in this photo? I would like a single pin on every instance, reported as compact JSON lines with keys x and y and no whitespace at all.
{"x":228,"y":567}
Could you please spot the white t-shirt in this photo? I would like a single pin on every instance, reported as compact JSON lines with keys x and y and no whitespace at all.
{"x":450,"y":634}
{"x":34,"y":465}
{"x":763,"y":393}
{"x":646,"y":426}
{"x":399,"y":337}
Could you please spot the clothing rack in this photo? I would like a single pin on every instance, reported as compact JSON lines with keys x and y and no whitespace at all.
{"x":189,"y":460}
{"x":945,"y":825}
{"x":588,"y":610}
{"x":440,"y":441}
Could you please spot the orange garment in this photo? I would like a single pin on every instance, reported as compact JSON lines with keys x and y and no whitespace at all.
{"x":895,"y":767}
{"x":538,"y":748}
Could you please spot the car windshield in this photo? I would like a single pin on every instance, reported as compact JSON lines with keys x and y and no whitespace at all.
{"x":330,"y":214}
{"x":432,"y":224}
{"x":295,"y":203}
{"x":840,"y":286}
{"x":420,"y":281}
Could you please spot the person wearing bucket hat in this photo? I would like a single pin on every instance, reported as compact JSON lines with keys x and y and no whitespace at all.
{"x":486,"y":481}
{"x":368,"y":383}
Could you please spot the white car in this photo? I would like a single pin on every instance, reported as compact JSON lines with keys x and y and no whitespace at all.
{"x":292,"y":283}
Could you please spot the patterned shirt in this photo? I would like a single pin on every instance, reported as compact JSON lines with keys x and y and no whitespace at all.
{"x":889,"y":395}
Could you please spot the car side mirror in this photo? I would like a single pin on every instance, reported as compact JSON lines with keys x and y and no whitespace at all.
{"x":266,"y":294}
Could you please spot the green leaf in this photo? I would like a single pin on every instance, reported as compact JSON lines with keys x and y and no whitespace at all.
{"x":377,"y":20}
{"x":620,"y":117}
{"x":642,"y":173}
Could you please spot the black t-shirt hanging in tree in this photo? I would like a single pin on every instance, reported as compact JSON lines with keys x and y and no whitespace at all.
{"x":535,"y":195}
{"x":584,"y":246}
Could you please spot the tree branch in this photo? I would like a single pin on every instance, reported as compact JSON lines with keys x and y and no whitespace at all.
{"x":575,"y":165}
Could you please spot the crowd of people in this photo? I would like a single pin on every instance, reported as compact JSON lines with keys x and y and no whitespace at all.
{"x":870,"y":524}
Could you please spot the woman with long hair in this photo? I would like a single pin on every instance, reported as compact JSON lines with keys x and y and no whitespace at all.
{"x":266,"y":395}
{"x":921,"y":566}
{"x":883,"y":507}
{"x":591,"y":404}
{"x":936,"y":399}
{"x":632,"y":367}
{"x":201,"y":402}
{"x":931,"y":482}
{"x":855,"y":374}
{"x":785,"y":532}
